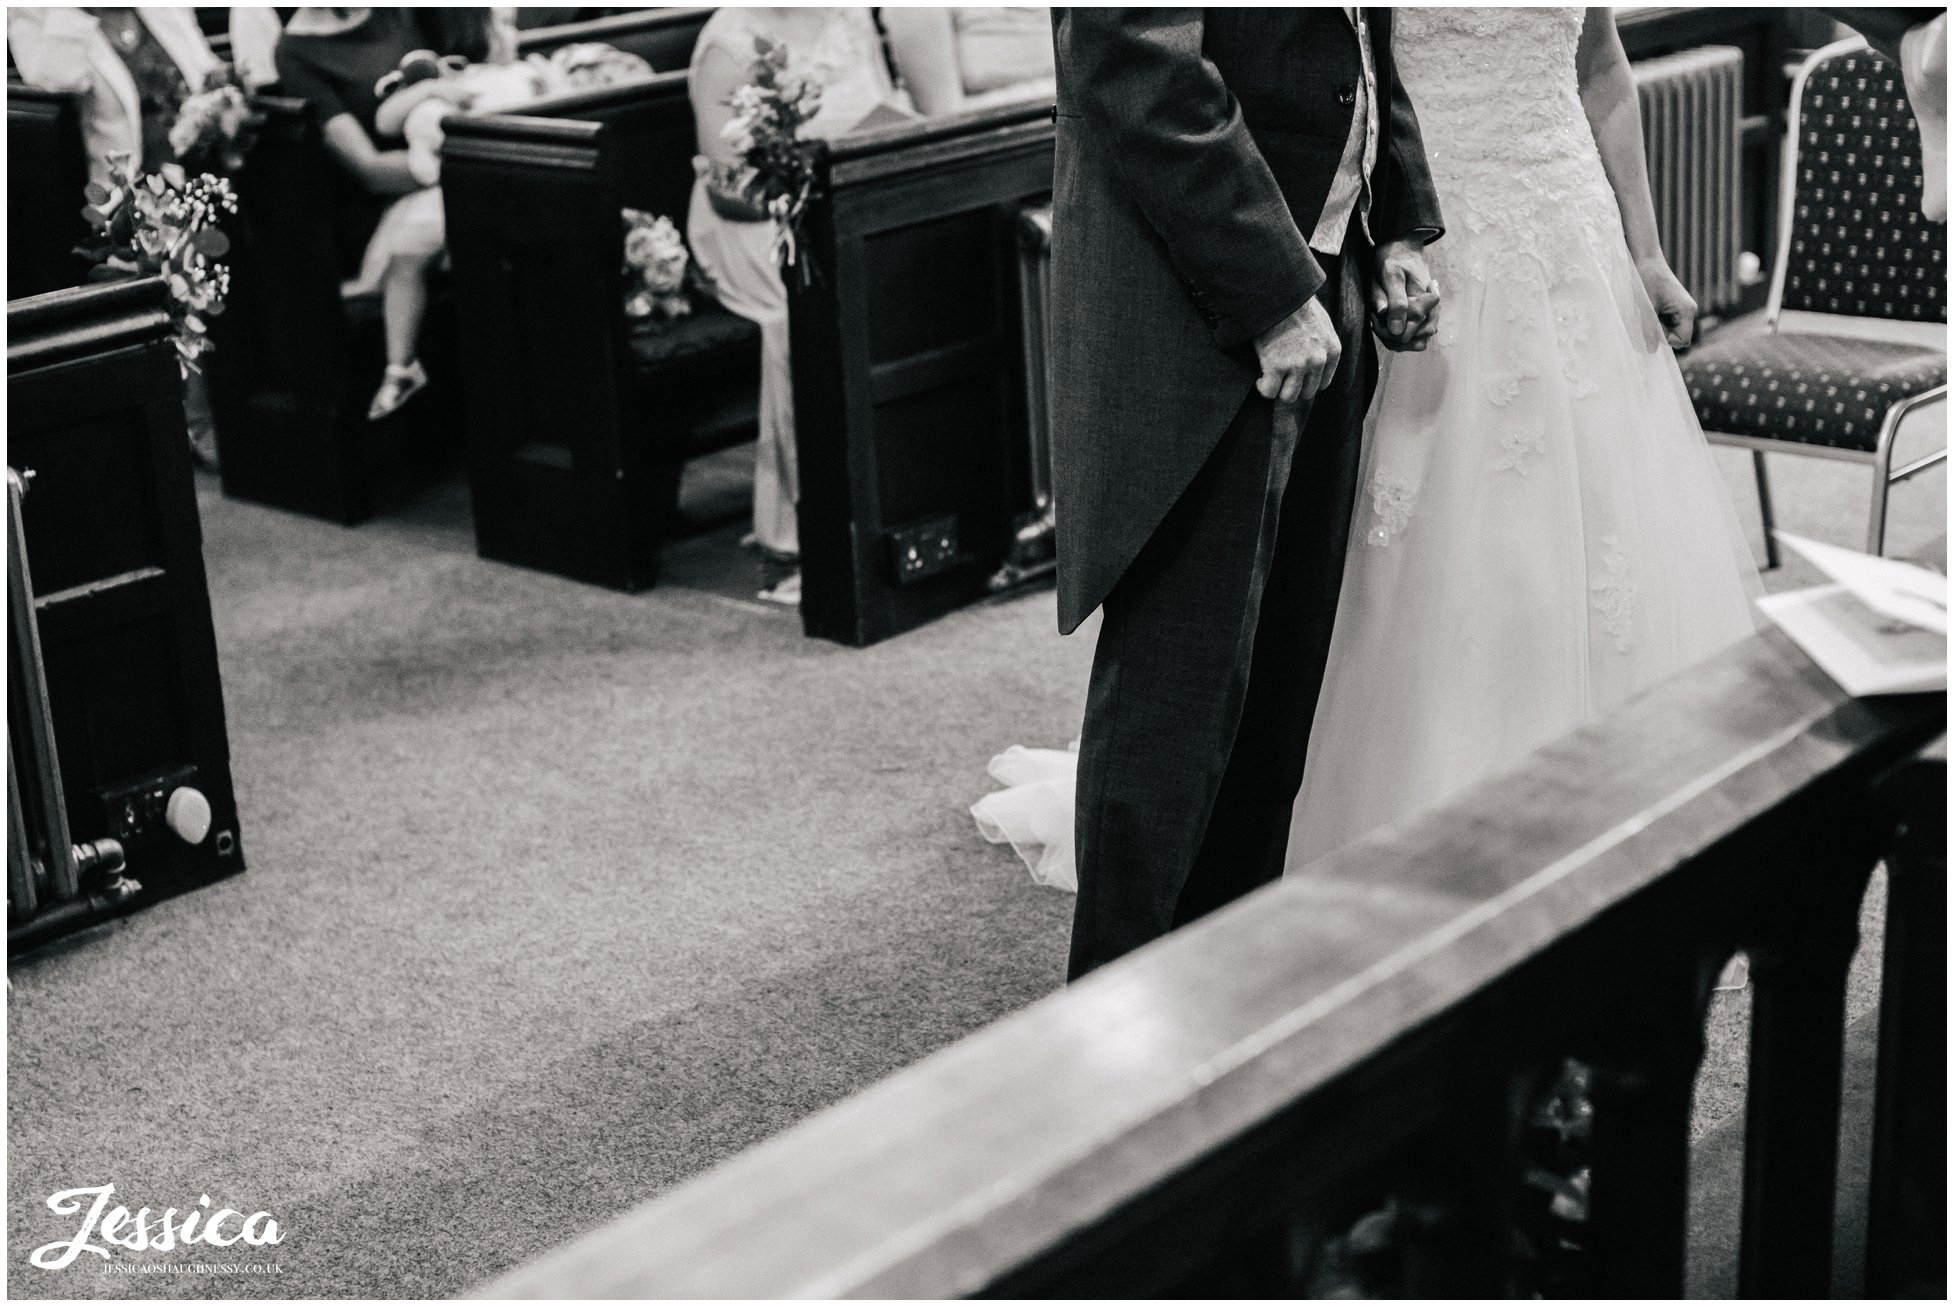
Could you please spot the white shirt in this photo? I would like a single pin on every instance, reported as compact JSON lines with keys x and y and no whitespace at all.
{"x":1350,"y":192}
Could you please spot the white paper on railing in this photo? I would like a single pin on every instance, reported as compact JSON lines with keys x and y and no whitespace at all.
{"x":1879,"y":628}
{"x":1905,"y":592}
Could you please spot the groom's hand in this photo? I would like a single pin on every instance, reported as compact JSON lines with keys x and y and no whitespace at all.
{"x":1404,"y":302}
{"x":1299,"y":355}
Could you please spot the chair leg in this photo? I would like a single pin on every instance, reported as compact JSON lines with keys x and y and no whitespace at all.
{"x":1882,"y":487}
{"x":1771,"y":559}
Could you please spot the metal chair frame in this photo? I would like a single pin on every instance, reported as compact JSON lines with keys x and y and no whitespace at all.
{"x":1880,"y":459}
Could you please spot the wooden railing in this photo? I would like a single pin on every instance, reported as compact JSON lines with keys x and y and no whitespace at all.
{"x":1218,"y":1113}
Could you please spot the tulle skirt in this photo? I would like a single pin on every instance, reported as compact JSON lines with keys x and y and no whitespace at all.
{"x":1544,"y":533}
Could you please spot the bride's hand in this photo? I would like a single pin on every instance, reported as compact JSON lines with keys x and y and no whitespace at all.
{"x":1675,"y":306}
{"x":1404,"y":298}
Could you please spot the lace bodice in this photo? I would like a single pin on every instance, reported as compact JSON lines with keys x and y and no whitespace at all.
{"x":1499,"y":102}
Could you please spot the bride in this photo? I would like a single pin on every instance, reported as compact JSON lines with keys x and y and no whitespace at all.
{"x":1543,"y":532}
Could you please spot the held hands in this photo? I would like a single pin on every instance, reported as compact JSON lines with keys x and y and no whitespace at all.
{"x":1404,"y":302}
{"x":1673,"y":305}
{"x":1299,"y":355}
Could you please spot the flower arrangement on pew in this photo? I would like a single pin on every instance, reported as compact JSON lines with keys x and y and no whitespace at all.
{"x":657,"y":268}
{"x":165,"y":222}
{"x":777,"y":167}
{"x":215,"y":128}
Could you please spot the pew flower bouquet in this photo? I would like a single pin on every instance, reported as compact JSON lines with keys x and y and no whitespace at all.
{"x":215,"y":128}
{"x":777,"y":167}
{"x":657,"y":268}
{"x":166,"y":223}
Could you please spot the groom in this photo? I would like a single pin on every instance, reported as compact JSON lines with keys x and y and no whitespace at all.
{"x":1233,"y":187}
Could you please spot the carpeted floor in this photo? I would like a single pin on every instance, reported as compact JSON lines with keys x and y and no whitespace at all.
{"x":556,"y":896}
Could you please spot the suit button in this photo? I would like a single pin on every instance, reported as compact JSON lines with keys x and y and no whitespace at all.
{"x":1346,"y":95}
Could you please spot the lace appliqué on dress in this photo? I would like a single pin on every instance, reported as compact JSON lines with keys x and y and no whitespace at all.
{"x":1520,"y":444}
{"x":1571,"y":319}
{"x":1614,"y":595}
{"x":1392,"y":498}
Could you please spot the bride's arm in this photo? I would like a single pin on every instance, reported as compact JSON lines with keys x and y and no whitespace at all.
{"x":1608,"y":97}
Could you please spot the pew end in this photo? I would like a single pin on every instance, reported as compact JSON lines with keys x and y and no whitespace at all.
{"x":909,"y":386}
{"x":295,"y":364}
{"x":113,"y":662}
{"x":47,"y":170}
{"x":580,"y":421}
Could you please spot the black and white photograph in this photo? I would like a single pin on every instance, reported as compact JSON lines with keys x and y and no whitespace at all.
{"x":917,"y":652}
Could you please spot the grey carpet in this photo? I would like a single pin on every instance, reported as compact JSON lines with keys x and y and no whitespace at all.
{"x":556,"y":896}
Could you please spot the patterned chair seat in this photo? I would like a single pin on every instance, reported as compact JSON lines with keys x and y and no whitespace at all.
{"x":1809,"y":389}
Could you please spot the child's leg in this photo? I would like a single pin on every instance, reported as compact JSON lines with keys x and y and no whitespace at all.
{"x":403,"y":307}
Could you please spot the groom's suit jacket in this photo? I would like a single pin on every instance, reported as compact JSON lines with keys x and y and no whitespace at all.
{"x":1195,"y":150}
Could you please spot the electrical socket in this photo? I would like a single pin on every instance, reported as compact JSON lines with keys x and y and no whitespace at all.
{"x":135,"y":808}
{"x":924,"y":549}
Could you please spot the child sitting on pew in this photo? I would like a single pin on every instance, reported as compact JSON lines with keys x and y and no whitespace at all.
{"x":733,"y":242}
{"x":336,"y":58}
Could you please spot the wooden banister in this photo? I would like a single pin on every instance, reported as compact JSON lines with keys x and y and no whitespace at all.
{"x":1199,"y":1103}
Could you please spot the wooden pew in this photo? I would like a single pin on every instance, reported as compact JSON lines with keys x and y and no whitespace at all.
{"x":295,"y":365}
{"x":119,"y":597}
{"x":1208,"y":1116}
{"x":579,"y":422}
{"x":663,"y":38}
{"x":46,"y":173}
{"x":908,"y":369}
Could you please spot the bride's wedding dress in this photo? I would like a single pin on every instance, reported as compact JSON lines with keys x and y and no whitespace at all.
{"x":1543,"y":531}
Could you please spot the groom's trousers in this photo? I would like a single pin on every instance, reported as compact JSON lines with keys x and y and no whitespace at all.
{"x":1211,"y":652}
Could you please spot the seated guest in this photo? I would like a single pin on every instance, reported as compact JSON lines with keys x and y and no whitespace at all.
{"x":135,"y":67}
{"x":956,"y":60}
{"x":733,"y":241}
{"x":335,"y":59}
{"x":254,"y":44}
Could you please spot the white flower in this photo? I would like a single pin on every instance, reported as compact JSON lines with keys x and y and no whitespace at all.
{"x":641,"y":247}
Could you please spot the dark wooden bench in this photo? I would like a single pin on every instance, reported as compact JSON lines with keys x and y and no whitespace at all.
{"x":909,"y":369}
{"x":580,"y":421}
{"x":296,"y":365}
{"x":46,"y":173}
{"x":663,"y":38}
{"x":1216,"y":1114}
{"x":113,"y":543}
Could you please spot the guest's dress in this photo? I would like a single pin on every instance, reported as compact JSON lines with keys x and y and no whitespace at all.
{"x":738,"y":257}
{"x":336,"y":72}
{"x":1542,"y":531}
{"x":136,"y":67}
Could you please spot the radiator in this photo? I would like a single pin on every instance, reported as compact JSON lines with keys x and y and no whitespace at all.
{"x":1692,"y":103}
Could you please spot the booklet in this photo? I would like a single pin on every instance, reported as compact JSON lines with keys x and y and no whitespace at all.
{"x":1880,"y":627}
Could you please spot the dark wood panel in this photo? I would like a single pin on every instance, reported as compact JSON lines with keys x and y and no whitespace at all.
{"x":908,"y":385}
{"x":294,"y":366}
{"x":114,"y":545}
{"x":46,"y":172}
{"x":579,"y":422}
